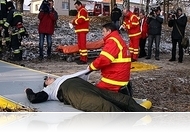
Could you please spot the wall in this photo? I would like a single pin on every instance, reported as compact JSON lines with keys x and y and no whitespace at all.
{"x":34,"y":7}
{"x":35,"y":4}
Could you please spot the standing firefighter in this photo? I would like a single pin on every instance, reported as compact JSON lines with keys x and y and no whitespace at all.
{"x":14,"y":20}
{"x":4,"y":32}
{"x":81,"y":24}
{"x":132,"y":26}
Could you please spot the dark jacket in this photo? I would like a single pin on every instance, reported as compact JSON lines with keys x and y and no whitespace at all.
{"x":181,"y":22}
{"x":3,"y":11}
{"x":47,"y":22}
{"x":115,"y":14}
{"x":13,"y":18}
{"x":155,"y":25}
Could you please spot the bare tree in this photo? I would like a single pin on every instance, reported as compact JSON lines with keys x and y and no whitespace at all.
{"x":147,"y":6}
{"x":126,"y":4}
{"x":19,"y":4}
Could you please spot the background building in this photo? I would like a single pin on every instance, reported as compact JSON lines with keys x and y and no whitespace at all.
{"x":64,"y":6}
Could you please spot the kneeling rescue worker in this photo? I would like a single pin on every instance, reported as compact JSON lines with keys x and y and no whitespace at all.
{"x":114,"y":61}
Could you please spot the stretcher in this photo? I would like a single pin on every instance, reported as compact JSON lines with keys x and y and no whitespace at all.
{"x":70,"y":52}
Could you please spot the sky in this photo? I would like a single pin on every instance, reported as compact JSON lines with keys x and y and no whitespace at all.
{"x":26,"y":2}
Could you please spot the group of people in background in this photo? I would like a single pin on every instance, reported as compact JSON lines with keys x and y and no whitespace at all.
{"x":142,"y":27}
{"x":139,"y":27}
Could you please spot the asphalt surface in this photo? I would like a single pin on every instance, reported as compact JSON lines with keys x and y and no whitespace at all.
{"x":14,"y":79}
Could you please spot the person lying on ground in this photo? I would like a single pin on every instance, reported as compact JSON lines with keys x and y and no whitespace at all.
{"x":76,"y":91}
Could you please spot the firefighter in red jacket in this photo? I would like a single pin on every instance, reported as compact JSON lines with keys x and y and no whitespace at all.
{"x":81,"y":24}
{"x":132,"y":26}
{"x":114,"y":60}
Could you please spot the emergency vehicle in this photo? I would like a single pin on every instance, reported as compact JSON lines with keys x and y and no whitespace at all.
{"x":97,"y":8}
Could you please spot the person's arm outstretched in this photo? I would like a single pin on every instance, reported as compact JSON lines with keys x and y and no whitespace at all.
{"x":38,"y":97}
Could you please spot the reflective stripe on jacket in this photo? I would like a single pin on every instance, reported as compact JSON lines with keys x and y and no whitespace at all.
{"x":132,"y":25}
{"x":81,"y":22}
{"x":114,"y":62}
{"x":13,"y":18}
{"x":3,"y":11}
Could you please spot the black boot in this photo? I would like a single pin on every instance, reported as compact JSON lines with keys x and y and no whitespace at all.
{"x":16,"y":57}
{"x":127,"y":89}
{"x":172,"y":59}
{"x":20,"y":55}
{"x":1,"y":55}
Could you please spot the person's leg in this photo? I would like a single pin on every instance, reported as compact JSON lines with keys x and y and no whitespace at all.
{"x":84,"y":96}
{"x":8,"y":39}
{"x":1,"y":47}
{"x":82,"y":46}
{"x":174,"y":43}
{"x":181,"y":52}
{"x":135,"y":48}
{"x":131,"y":49}
{"x":157,"y":46}
{"x":143,"y":47}
{"x":41,"y":45}
{"x":15,"y":44}
{"x":123,"y":101}
{"x":150,"y":42}
{"x":49,"y":44}
{"x":140,"y":48}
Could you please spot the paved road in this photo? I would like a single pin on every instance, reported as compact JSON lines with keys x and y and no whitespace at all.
{"x":14,"y":79}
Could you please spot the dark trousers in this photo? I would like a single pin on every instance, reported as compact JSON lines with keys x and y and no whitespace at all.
{"x":15,"y":42}
{"x":152,"y":38}
{"x":142,"y":43}
{"x":41,"y":44}
{"x":174,"y":44}
{"x":87,"y":97}
{"x":15,"y":45}
{"x":7,"y":39}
